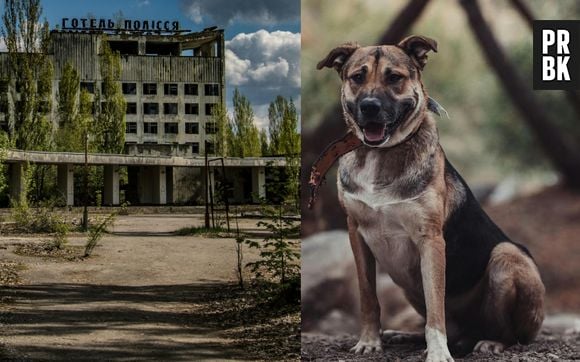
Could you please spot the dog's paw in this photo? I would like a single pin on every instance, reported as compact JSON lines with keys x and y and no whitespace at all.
{"x":489,"y":347}
{"x":367,"y":346}
{"x":438,"y":355}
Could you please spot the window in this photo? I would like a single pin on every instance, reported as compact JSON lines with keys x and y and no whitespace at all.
{"x":171,"y":128}
{"x":150,"y":108}
{"x":192,"y":128}
{"x":210,"y":128}
{"x":150,"y":127}
{"x":131,"y":127}
{"x":212,"y":90}
{"x":124,"y":47}
{"x":131,"y":108}
{"x":169,"y":108}
{"x":88,"y":86}
{"x":43,"y":107}
{"x":129,"y":88}
{"x":209,"y":108}
{"x":190,"y":89}
{"x":149,"y":88}
{"x":191,"y":108}
{"x":195,"y":148}
{"x":209,"y":148}
{"x":170,"y":89}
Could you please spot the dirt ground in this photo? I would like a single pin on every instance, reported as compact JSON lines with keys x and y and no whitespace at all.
{"x":550,"y":346}
{"x":144,"y":294}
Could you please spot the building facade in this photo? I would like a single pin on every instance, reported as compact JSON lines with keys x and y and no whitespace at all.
{"x":171,"y":80}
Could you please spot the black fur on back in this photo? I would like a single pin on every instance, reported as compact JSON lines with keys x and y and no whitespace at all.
{"x":470,"y":236}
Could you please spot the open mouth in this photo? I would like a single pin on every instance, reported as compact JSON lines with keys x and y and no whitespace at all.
{"x":375,"y":133}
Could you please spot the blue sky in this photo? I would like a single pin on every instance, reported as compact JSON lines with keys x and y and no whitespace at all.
{"x":262,"y":38}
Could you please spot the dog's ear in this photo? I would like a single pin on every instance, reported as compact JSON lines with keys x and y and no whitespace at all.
{"x":417,"y":48}
{"x":338,"y":57}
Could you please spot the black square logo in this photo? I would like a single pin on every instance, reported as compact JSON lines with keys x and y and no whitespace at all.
{"x":557,"y":54}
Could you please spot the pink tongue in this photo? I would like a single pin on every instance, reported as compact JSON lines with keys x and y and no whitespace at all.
{"x":374,"y":132}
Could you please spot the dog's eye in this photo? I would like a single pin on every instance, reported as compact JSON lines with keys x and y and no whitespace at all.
{"x":358,"y":78}
{"x":394,"y":78}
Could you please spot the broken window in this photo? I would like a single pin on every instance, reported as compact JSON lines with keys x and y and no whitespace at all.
{"x":170,"y":89}
{"x":194,"y":147}
{"x":212,"y":89}
{"x":171,"y":128}
{"x":209,"y":148}
{"x":150,"y":108}
{"x":129,"y":88}
{"x":150,"y":88}
{"x":169,"y":108}
{"x":161,"y":48}
{"x":88,"y":86}
{"x":190,"y":89}
{"x":131,"y":108}
{"x":191,"y":108}
{"x":150,"y":127}
{"x":131,"y":127}
{"x":209,"y":108}
{"x":192,"y":128}
{"x":210,"y":128}
{"x":125,"y":47}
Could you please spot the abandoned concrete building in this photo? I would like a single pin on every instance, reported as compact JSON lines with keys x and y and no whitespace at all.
{"x":171,"y":80}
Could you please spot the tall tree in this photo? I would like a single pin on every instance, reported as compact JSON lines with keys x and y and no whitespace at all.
{"x":223,"y":131}
{"x":275,"y":116}
{"x":246,"y":137}
{"x":70,"y":134}
{"x":110,"y":120}
{"x":289,"y":138}
{"x":30,"y":72}
{"x":264,"y":144}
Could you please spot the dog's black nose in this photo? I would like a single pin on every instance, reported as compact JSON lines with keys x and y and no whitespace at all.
{"x":370,"y":107}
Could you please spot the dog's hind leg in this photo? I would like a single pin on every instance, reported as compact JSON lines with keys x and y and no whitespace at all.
{"x":513,"y":306}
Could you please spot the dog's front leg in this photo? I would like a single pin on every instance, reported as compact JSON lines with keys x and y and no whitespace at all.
{"x":432,"y":252}
{"x":370,"y":337}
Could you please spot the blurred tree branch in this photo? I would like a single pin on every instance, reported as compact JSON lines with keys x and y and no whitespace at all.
{"x":562,"y":151}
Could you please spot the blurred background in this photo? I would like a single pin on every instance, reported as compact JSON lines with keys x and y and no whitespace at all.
{"x":518,"y":149}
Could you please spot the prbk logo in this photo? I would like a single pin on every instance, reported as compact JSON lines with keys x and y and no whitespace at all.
{"x":557,"y":54}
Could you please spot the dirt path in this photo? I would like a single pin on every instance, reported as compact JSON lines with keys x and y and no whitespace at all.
{"x":136,"y":298}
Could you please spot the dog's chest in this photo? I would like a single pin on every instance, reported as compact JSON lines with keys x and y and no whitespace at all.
{"x":385,"y":219}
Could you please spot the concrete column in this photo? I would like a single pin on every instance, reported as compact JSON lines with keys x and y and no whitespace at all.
{"x":159,"y":185}
{"x":211,"y":177}
{"x":169,"y":184}
{"x":258,"y":183}
{"x":111,"y":196}
{"x":17,"y":182}
{"x":65,"y":177}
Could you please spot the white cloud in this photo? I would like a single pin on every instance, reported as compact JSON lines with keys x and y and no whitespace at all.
{"x":263,"y":65}
{"x":225,"y":12}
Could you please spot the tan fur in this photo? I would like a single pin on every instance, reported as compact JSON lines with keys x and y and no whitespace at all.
{"x":400,"y":225}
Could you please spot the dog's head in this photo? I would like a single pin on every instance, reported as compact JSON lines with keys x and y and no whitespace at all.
{"x":382,"y":95}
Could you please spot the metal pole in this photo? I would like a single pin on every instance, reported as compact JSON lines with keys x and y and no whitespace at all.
{"x":226,"y":189}
{"x":206,"y":175}
{"x":86,"y":181}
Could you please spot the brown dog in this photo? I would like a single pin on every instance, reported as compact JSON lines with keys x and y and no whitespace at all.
{"x":409,"y":210}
